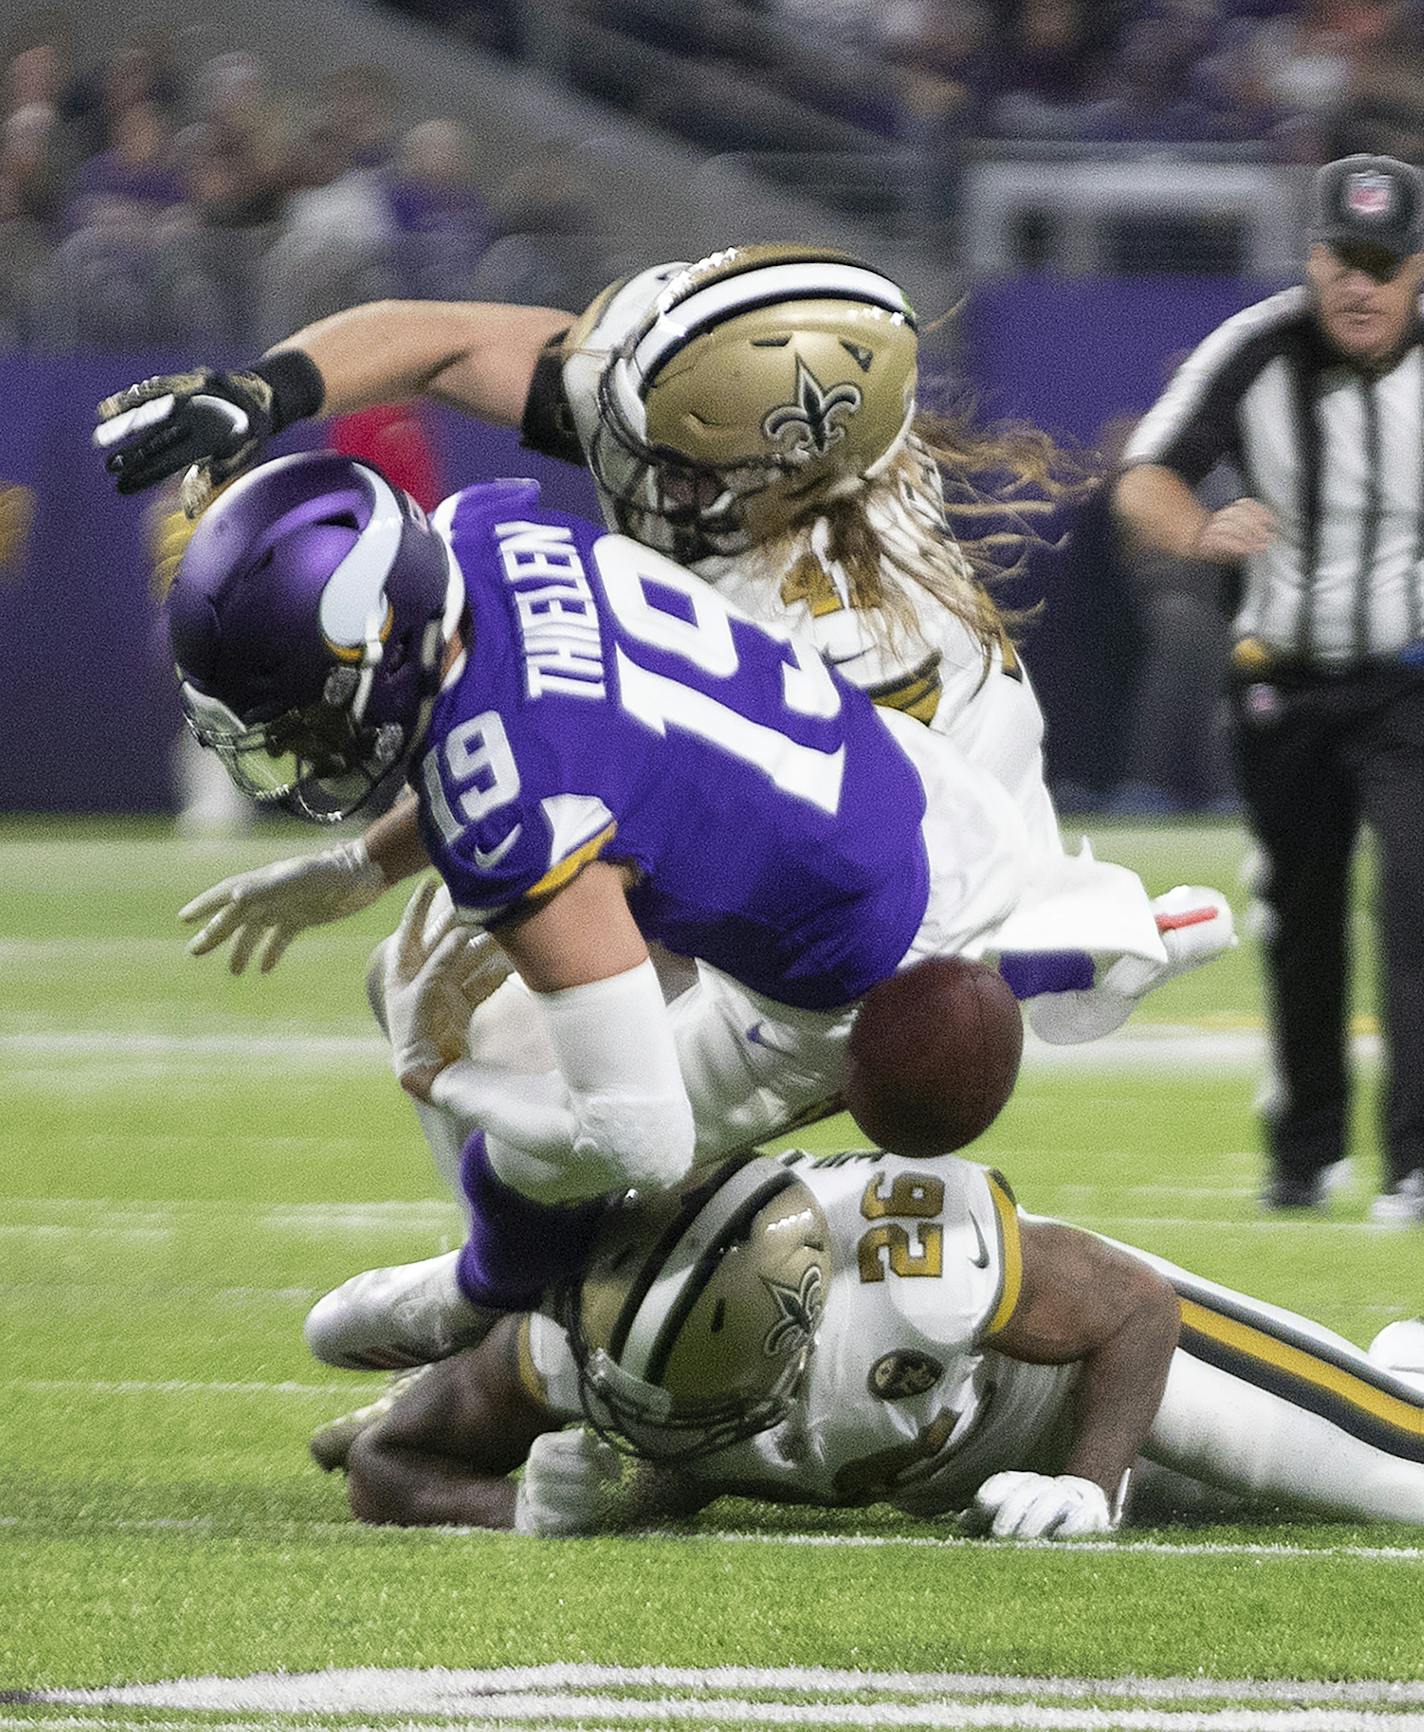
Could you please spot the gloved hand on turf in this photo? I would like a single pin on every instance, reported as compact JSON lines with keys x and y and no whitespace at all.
{"x":1035,"y":1506}
{"x":209,"y":425}
{"x":428,"y":962}
{"x":263,"y":911}
{"x":572,"y":1484}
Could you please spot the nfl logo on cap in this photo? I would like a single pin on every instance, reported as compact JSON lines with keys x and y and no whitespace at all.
{"x":1369,"y":194}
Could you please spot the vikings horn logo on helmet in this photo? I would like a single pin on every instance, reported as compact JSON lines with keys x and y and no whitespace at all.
{"x":308,"y":619}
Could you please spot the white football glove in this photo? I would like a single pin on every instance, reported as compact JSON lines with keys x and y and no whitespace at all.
{"x":572,"y":1484}
{"x":1194,"y":924}
{"x":264,"y":910}
{"x":428,"y":962}
{"x":1036,"y":1506}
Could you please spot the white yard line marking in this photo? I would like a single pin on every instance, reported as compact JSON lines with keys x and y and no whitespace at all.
{"x":180,"y":1386}
{"x":418,"y":1689}
{"x":1178,"y":1047}
{"x":23,"y":950}
{"x":96,"y":1230}
{"x":589,"y":1712}
{"x":293,"y":1047}
{"x":417,"y":1212}
{"x":721,"y":1715}
{"x":1117,"y":1549}
{"x":1114,"y":1548}
{"x":953,"y":1714}
{"x":1232,"y":1223}
{"x":592,"y":1696}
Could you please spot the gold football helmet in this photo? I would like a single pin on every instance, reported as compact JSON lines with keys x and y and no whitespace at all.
{"x":764,"y":382}
{"x":695,"y":1319}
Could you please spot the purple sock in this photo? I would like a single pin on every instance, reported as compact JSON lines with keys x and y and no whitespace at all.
{"x":1032,"y":972}
{"x":517,"y":1248}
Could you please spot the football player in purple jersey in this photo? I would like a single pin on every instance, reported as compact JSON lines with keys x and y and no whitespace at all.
{"x":603,"y":753}
{"x":754,"y":414}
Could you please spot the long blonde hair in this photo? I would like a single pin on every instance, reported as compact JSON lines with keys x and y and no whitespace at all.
{"x":966,"y":503}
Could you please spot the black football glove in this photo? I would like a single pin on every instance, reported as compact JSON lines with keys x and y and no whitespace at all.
{"x":210,"y":425}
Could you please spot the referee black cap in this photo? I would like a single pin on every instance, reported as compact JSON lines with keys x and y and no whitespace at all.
{"x":1374,"y":201}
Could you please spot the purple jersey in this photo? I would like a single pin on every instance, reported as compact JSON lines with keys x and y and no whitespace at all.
{"x":612,"y":705}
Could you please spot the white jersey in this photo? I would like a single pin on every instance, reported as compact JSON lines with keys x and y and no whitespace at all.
{"x":934,"y":669}
{"x":906,"y":1402}
{"x":903,"y":1402}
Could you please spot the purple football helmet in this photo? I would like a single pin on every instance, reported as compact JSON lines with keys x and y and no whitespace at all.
{"x":307,"y":620}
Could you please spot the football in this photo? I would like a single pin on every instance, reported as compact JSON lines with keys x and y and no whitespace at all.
{"x":934,"y":1053}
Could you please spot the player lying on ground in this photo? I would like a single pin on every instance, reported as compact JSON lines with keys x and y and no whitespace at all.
{"x":754,"y":414}
{"x":857,"y":1328}
{"x":603,"y":753}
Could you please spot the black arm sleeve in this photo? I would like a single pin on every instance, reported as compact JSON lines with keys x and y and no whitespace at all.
{"x":548,"y":422}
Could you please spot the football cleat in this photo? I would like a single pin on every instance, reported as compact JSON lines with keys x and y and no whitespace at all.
{"x":392,"y":1319}
{"x":1399,"y":1349}
{"x":330,"y":1444}
{"x":1292,"y":1193}
{"x":1402,"y":1205}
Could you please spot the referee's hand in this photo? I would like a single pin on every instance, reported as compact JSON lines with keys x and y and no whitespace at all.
{"x":1241,"y":528}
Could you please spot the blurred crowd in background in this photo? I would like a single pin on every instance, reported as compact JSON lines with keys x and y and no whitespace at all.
{"x":1289,"y":80}
{"x":144,"y":198}
{"x":145,"y":202}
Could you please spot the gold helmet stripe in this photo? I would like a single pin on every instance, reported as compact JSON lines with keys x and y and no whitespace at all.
{"x":705,"y":308}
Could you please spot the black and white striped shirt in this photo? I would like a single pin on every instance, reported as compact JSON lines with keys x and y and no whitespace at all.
{"x":1336,"y":452}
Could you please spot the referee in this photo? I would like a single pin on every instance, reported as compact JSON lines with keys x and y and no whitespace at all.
{"x":1316,"y":397}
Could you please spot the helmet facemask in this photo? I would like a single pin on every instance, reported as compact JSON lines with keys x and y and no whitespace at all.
{"x":321,"y":762}
{"x":667,"y":500}
{"x":642,"y":1420}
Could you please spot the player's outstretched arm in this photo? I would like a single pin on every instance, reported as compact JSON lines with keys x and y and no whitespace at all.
{"x":479,"y":356}
{"x":262,"y":911}
{"x":443,"y":1453}
{"x":1084,"y":1300}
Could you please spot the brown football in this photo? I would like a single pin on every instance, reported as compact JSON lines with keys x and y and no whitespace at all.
{"x":934,"y":1052}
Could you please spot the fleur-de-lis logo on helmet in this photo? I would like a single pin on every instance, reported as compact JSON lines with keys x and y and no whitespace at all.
{"x":798,"y":1312}
{"x":809,"y":427}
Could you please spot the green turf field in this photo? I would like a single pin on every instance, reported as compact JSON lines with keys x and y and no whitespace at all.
{"x":191,"y":1159}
